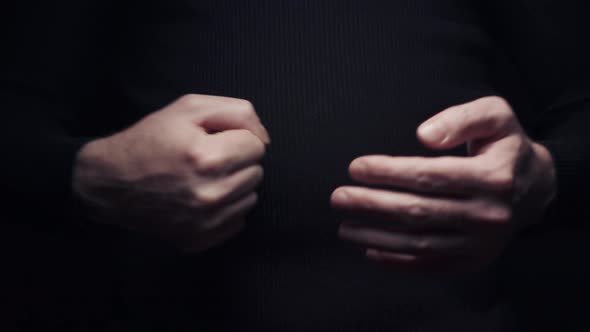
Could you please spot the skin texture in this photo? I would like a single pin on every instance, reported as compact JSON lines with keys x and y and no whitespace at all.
{"x":186,"y":174}
{"x":445,"y":214}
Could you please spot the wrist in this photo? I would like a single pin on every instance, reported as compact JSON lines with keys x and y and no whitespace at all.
{"x":90,"y":166}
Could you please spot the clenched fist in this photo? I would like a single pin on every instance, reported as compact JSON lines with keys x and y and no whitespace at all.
{"x":186,"y":174}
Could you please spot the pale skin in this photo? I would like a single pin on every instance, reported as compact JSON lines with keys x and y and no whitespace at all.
{"x":449,"y":213}
{"x":188,"y":174}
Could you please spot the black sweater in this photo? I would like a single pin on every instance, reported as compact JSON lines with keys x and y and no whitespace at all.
{"x":331,"y":80}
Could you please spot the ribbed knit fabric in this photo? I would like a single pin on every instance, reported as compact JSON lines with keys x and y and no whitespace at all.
{"x":331,"y":80}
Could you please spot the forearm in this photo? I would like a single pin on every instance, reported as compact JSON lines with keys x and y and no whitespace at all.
{"x":53,"y":58}
{"x":39,"y":154}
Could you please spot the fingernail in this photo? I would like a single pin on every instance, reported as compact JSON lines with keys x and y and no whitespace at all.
{"x":266,"y":136}
{"x":432,"y":132}
{"x":343,"y":196}
{"x":340,"y":196}
{"x":359,"y":165}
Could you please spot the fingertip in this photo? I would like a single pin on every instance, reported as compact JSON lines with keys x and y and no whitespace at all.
{"x":357,"y":167}
{"x":338,"y":197}
{"x":372,"y":254}
{"x":432,"y":134}
{"x":344,"y":231}
{"x":389,"y":257}
{"x":264,"y":135}
{"x":442,"y":142}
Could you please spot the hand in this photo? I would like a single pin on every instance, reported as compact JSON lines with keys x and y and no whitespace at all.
{"x":450,"y":213}
{"x":185,"y":174}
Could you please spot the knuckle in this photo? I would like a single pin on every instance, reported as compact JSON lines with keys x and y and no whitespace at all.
{"x":491,"y":211}
{"x":421,"y":244}
{"x":261,"y":147}
{"x":363,"y":201}
{"x":211,"y":163}
{"x":258,"y":172}
{"x":501,"y":181}
{"x":244,"y":105}
{"x":253,"y":200}
{"x":430,"y":182}
{"x":194,"y":156}
{"x":416,"y":211}
{"x":190,"y":100}
{"x":258,"y":146}
{"x":504,"y":104}
{"x":256,"y":176}
{"x":204,"y":197}
{"x":497,"y":101}
{"x":505,"y":116}
{"x":248,"y":203}
{"x":498,"y":215}
{"x":501,"y":109}
{"x":245,"y":111}
{"x":423,"y":180}
{"x":245,"y":116}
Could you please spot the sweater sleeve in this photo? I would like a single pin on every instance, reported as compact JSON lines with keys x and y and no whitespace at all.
{"x":49,"y":63}
{"x":548,"y":43}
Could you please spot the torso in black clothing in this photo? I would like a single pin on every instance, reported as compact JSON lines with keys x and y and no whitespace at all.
{"x":331,"y":80}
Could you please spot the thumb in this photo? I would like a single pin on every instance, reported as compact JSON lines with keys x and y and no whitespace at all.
{"x":233,"y":114}
{"x":483,"y":118}
{"x":231,"y":119}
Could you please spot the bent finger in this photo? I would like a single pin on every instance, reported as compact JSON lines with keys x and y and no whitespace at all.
{"x":226,"y":189}
{"x":225,"y":152}
{"x":406,"y":243}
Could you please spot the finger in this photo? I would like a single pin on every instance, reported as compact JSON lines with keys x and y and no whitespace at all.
{"x":229,"y":188}
{"x":234,"y":210}
{"x":447,"y":175}
{"x":202,"y":233}
{"x":483,"y":118}
{"x":419,"y":211}
{"x":228,"y":151}
{"x":214,"y":238}
{"x":222,"y":113}
{"x":406,"y":243}
{"x":392,"y":261}
{"x":431,"y":265}
{"x":381,"y":255}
